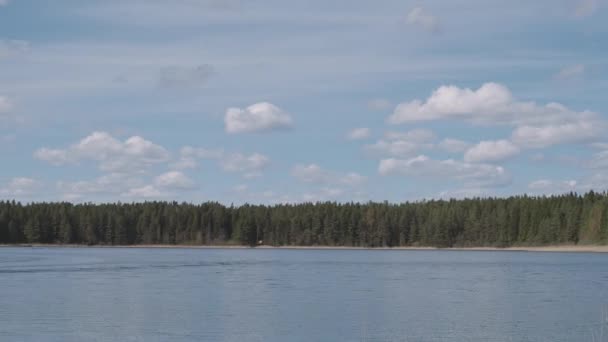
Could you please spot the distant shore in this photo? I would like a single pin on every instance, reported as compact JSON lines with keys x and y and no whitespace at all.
{"x":555,"y":249}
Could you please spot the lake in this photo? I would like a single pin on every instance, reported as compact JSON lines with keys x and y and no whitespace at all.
{"x":137,"y":294}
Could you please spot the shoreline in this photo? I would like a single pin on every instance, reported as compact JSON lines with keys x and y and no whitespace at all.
{"x":552,"y":249}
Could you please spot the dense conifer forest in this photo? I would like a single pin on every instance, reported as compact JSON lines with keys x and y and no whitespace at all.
{"x":498,"y":222}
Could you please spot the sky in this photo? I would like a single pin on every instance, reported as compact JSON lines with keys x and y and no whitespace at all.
{"x":282,"y":101}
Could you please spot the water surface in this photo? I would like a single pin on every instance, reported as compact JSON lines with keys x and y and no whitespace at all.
{"x":116,"y":294}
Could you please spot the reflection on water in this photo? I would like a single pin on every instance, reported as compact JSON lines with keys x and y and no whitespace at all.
{"x":92,"y":294}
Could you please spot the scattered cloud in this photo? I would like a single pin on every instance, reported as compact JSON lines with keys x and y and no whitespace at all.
{"x":453,"y":145}
{"x":189,"y":156}
{"x":259,"y":117}
{"x":174,"y":180}
{"x":419,"y":17}
{"x":133,"y":155}
{"x":19,"y":187}
{"x":464,"y":193}
{"x":379,"y":104}
{"x":470,"y":174}
{"x":570,"y":72}
{"x":144,"y":192}
{"x":491,"y":151}
{"x":359,"y":133}
{"x":400,"y":144}
{"x":250,"y":166}
{"x":109,"y":184}
{"x":546,"y":186}
{"x":323,"y":194}
{"x":314,"y":174}
{"x":179,"y":76}
{"x":544,"y":136}
{"x":493,"y":104}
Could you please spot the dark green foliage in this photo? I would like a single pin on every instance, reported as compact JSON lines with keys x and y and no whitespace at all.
{"x":523,"y":220}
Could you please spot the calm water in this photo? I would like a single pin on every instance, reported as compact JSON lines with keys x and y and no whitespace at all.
{"x":95,"y":294}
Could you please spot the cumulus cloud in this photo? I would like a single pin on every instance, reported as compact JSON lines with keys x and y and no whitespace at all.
{"x":570,"y":72}
{"x":314,"y":174}
{"x":493,"y":104}
{"x":419,"y":17}
{"x":133,"y":155}
{"x":189,"y":156}
{"x":550,"y":187}
{"x":179,"y":76}
{"x":544,"y":136}
{"x":453,"y":145}
{"x":491,"y":151}
{"x":359,"y":133}
{"x":144,"y":192}
{"x":174,"y":180}
{"x":401,"y":144}
{"x":109,"y":184}
{"x":19,"y":187}
{"x":379,"y":104}
{"x":250,"y":166}
{"x":471,"y":174}
{"x":464,"y":193}
{"x":259,"y":117}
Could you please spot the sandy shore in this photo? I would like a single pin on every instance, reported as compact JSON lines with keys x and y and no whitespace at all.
{"x":560,"y":249}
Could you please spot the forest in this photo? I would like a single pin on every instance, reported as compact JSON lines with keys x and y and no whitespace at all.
{"x":494,"y":222}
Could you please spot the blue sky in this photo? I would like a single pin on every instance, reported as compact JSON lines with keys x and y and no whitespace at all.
{"x":273,"y":101}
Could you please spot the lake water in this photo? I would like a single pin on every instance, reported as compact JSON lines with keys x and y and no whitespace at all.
{"x":115,"y":294}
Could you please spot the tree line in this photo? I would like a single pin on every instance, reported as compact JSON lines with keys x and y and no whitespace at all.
{"x":498,"y":222}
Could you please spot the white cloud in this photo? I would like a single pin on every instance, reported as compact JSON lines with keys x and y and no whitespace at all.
{"x":585,"y":8}
{"x":133,"y":155}
{"x":359,"y":133}
{"x":174,"y":180}
{"x":421,"y":18}
{"x":473,"y":175}
{"x":402,"y":144}
{"x":546,"y":186}
{"x":313,"y":173}
{"x":600,"y":160}
{"x":176,"y":76}
{"x":464,"y":193}
{"x":570,"y":72}
{"x":323,"y":194}
{"x":259,"y":117}
{"x":144,"y":192}
{"x":19,"y":187}
{"x":493,"y":104}
{"x":544,"y":136}
{"x":251,"y":166}
{"x":109,"y":184}
{"x":189,"y":156}
{"x":453,"y":145}
{"x":491,"y":151}
{"x":379,"y":104}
